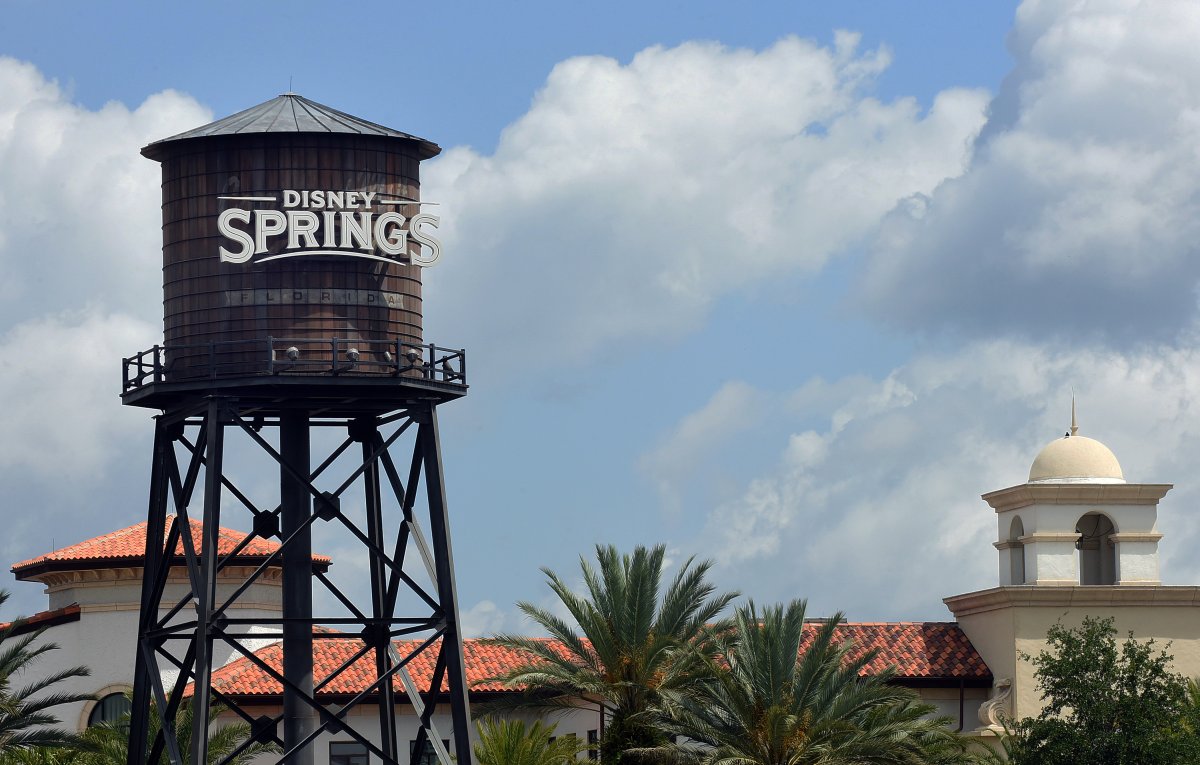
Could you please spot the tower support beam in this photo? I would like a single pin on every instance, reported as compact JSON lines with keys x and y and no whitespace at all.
{"x":186,"y":641}
{"x":295,"y":509}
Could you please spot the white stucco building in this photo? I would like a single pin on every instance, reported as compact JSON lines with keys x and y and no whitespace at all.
{"x":1075,"y":539}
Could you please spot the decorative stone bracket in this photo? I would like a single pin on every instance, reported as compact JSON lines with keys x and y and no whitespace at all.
{"x":995,"y":710}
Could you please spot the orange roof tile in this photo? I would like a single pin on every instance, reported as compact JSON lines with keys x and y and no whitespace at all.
{"x":127,"y":546}
{"x":915,"y":649}
{"x":243,"y":678}
{"x":44,"y":619}
{"x":918,"y":650}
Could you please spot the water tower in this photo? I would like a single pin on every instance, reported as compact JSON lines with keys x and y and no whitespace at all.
{"x":294,"y":240}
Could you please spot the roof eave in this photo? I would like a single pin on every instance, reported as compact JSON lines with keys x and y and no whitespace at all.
{"x":307,"y":118}
{"x":32,"y":571}
{"x":159,"y":150}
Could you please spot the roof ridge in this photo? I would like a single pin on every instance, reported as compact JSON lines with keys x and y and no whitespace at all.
{"x":902,"y":624}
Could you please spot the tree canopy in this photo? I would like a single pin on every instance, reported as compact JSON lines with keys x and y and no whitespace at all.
{"x":1106,"y":703}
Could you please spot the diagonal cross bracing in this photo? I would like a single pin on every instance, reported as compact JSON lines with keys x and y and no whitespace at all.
{"x":389,"y":501}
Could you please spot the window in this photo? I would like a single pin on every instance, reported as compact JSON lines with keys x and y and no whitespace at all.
{"x":110,"y":708}
{"x":593,"y":744}
{"x":428,"y":756}
{"x":348,"y":753}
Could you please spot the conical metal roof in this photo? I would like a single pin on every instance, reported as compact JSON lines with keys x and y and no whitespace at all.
{"x":291,"y":113}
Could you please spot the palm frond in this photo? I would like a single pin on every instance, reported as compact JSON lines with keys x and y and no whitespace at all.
{"x":512,"y":742}
{"x":634,"y":648}
{"x":26,"y":717}
{"x":767,"y":703}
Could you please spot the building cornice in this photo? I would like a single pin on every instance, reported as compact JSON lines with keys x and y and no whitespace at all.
{"x":1064,"y":596}
{"x":1049,"y":536}
{"x":1136,"y":536}
{"x":1026,"y":494}
{"x":41,"y":571}
{"x":83,"y":577}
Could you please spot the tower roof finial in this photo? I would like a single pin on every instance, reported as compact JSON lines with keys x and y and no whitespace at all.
{"x":1074,"y":424}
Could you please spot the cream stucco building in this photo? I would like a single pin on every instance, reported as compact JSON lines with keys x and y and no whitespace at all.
{"x":1075,"y":540}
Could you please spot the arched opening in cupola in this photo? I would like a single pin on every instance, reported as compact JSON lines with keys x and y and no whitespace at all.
{"x":1097,"y":550}
{"x":1016,"y":551}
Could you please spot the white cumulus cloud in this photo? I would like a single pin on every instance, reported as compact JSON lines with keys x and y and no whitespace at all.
{"x":631,"y":196}
{"x":733,"y":409}
{"x":61,"y":377}
{"x":877,"y":510}
{"x":79,"y":206}
{"x":80,"y":287}
{"x":1079,"y":214}
{"x":483,"y":619}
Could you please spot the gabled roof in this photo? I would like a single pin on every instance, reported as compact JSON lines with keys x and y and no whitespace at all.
{"x":923,"y":653}
{"x":291,"y":113}
{"x":127,"y":547}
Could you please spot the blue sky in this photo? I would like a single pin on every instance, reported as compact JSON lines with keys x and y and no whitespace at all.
{"x":785,"y":286}
{"x":459,"y":73}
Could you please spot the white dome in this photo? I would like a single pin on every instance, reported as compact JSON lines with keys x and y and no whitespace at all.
{"x":1076,"y":459}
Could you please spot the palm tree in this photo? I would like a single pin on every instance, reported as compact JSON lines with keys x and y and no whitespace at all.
{"x":510,"y":742}
{"x":768,"y":704}
{"x":26,"y":716}
{"x":40,"y":755}
{"x":109,"y":741}
{"x":635,"y":647}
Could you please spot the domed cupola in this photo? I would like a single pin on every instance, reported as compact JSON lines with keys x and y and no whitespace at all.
{"x":1076,"y":520}
{"x":1075,"y":459}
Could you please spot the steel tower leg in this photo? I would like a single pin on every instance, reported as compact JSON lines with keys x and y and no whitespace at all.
{"x":144,"y":665}
{"x":379,"y":634}
{"x":206,"y":598}
{"x":296,"y":507}
{"x":430,"y":446}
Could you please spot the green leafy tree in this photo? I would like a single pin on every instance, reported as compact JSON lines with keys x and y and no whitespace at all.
{"x":636,"y":646}
{"x":27,"y":716}
{"x":1190,"y":722}
{"x":511,"y":742}
{"x":766,"y":703}
{"x":1106,"y":704}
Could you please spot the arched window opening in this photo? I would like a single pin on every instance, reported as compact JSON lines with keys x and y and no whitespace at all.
{"x":1016,"y":552}
{"x":1097,"y":551}
{"x":110,"y":708}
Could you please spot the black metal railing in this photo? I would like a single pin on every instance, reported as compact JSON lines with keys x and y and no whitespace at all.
{"x":295,"y":356}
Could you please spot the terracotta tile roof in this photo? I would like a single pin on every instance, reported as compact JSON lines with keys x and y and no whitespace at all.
{"x":919,"y":650}
{"x":484,"y":661}
{"x":127,"y":546}
{"x":44,"y":619}
{"x":243,"y":678}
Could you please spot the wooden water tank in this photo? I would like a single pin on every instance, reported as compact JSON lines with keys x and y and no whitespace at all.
{"x":329,"y":288}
